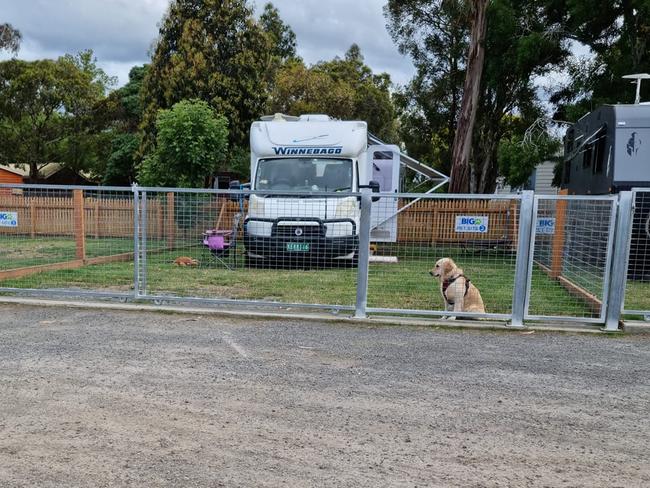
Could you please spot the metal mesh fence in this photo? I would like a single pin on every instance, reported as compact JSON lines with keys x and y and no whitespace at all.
{"x":475,"y":237}
{"x":569,"y":264}
{"x":303,"y":249}
{"x":67,"y":239}
{"x":637,"y":290}
{"x":291,"y":249}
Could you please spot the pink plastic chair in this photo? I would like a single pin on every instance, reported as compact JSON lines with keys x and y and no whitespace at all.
{"x":215,"y":241}
{"x":220,"y":242}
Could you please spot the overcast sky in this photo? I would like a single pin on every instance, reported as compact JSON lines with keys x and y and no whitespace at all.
{"x":120,"y":32}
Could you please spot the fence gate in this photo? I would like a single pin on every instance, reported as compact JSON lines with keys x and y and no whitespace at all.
{"x":570,"y":257}
{"x":637,"y":288}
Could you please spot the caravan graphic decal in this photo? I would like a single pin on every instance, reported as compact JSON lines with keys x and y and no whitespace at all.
{"x":633,"y":145}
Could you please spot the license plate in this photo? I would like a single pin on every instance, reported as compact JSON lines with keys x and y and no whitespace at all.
{"x":298,"y":246}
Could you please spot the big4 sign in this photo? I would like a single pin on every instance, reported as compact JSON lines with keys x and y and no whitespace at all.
{"x":545,"y":225}
{"x":472,"y":223}
{"x":8,"y":219}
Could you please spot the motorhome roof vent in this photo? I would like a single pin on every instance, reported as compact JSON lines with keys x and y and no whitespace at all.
{"x":315,"y":118}
{"x":278,"y":118}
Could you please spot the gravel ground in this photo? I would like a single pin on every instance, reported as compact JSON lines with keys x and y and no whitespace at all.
{"x":91,"y":398}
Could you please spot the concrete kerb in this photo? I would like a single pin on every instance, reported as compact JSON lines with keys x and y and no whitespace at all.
{"x":380,"y":321}
{"x":637,"y":327}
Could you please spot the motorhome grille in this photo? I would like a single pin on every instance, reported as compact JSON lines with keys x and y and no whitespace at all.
{"x":299,"y":231}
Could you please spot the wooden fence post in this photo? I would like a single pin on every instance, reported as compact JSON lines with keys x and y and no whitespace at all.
{"x":79,"y":223}
{"x":435,"y":223}
{"x":32,"y":218}
{"x":171,"y":221}
{"x":160,"y":230}
{"x":559,"y":236}
{"x":514,"y":223}
{"x":96,"y":218}
{"x":221,"y":212}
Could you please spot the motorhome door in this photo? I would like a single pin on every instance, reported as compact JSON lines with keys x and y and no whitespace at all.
{"x":384,"y":161}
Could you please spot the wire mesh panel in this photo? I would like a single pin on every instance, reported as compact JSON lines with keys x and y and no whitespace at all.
{"x":637,"y":290}
{"x":297,"y":248}
{"x":570,"y":256}
{"x":302,"y":249}
{"x":478,"y":238}
{"x":66,"y":239}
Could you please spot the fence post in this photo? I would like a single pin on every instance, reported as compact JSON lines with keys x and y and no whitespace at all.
{"x":364,"y":256}
{"x":171,"y":220}
{"x":136,"y":240}
{"x":97,"y":220}
{"x":143,"y":244}
{"x":557,"y":252}
{"x":79,"y":223}
{"x":32,"y":218}
{"x":619,"y":261}
{"x":526,"y":217}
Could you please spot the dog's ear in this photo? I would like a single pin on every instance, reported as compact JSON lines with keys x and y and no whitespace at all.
{"x":448,"y":267}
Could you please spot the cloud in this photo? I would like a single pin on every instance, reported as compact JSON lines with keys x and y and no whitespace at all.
{"x":325,"y":29}
{"x":121,"y":32}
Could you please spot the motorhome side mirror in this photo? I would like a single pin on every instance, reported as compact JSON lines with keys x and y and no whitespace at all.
{"x":374,"y":186}
{"x":234,"y":185}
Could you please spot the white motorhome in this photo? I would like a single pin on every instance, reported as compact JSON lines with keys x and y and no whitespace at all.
{"x":306,"y":154}
{"x":294,"y":160}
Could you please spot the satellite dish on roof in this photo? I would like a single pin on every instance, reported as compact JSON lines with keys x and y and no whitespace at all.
{"x":638,"y":79}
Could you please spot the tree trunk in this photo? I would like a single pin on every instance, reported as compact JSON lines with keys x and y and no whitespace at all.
{"x":33,"y":173}
{"x":630,"y":29}
{"x":461,"y":150}
{"x":485,"y":170}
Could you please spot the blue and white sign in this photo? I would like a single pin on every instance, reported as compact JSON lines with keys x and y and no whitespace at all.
{"x":545,"y":226}
{"x":8,"y":219}
{"x":472,"y":223}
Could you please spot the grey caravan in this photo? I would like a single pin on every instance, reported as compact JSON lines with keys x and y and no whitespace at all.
{"x":607,"y":151}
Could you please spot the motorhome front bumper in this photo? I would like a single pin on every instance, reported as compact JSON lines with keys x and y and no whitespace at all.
{"x":303,"y":238}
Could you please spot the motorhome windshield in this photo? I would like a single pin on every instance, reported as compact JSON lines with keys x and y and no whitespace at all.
{"x":304,"y":174}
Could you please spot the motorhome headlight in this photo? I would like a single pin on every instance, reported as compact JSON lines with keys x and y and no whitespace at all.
{"x":347,"y":208}
{"x":256,"y":206}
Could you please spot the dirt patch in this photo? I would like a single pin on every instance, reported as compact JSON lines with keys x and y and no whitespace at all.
{"x":93,"y":398}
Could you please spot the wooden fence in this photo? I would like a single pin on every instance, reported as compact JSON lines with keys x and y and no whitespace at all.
{"x":426,"y":221}
{"x":434,"y":221}
{"x":55,"y":216}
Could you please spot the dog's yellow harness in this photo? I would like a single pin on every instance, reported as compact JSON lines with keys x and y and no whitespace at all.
{"x":446,"y":283}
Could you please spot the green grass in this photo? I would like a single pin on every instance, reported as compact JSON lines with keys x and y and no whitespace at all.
{"x":637,"y":295}
{"x":405,"y":285}
{"x":549,"y":298}
{"x":19,"y":252}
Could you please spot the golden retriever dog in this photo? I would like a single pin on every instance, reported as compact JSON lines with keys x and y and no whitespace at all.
{"x":458,"y":292}
{"x":185,"y":261}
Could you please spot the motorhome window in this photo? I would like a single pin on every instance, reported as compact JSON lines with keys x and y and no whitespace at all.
{"x":599,"y":154}
{"x":384,"y":155}
{"x":587,"y":155}
{"x":304,"y":174}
